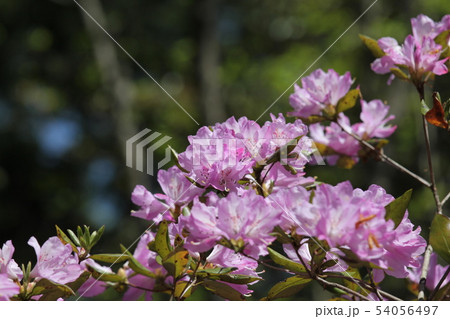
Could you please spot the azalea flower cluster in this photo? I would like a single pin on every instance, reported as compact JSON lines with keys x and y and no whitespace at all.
{"x":234,"y":223}
{"x":320,"y":95}
{"x":353,"y":220}
{"x":55,"y":262}
{"x":240,"y":186}
{"x":420,"y":55}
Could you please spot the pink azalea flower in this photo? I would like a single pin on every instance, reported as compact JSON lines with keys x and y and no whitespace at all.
{"x":216,"y":158}
{"x":225,"y":257}
{"x":55,"y":261}
{"x":202,"y":225}
{"x":373,"y":125}
{"x":435,"y":272}
{"x":402,"y":253}
{"x":151,"y":208}
{"x":334,"y":137}
{"x":419,"y":58}
{"x":222,"y":155}
{"x":318,"y":91}
{"x":295,"y":209}
{"x":423,"y":26}
{"x":8,"y":288}
{"x":354,"y":219}
{"x":373,"y":117}
{"x":350,"y":222}
{"x":178,"y":190}
{"x":281,"y":178}
{"x":247,"y":217}
{"x":419,"y":53}
{"x":7,"y":265}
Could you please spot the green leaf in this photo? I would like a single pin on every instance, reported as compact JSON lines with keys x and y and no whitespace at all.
{"x":104,"y":276}
{"x":348,"y":101}
{"x":399,"y":74}
{"x":74,"y":237}
{"x":396,"y":209}
{"x":65,"y":239}
{"x":354,"y":273}
{"x":442,"y":40}
{"x":282,"y":237}
{"x":110,"y":258}
{"x":180,"y":288}
{"x":372,"y":45}
{"x":287,"y":287}
{"x":97,"y":235}
{"x":51,"y":290}
{"x":175,"y":263}
{"x":139,"y":268}
{"x":313,"y":119}
{"x":223,"y":290}
{"x":287,"y":263}
{"x":218,"y":270}
{"x":231,"y":278}
{"x":317,"y":252}
{"x":440,"y":236}
{"x":175,"y":157}
{"x":162,"y":242}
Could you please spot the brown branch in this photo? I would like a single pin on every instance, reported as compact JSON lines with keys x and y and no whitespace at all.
{"x":424,"y":273}
{"x":346,"y":289}
{"x":366,"y":285}
{"x":446,"y":198}
{"x":430,"y":166}
{"x":386,"y":159}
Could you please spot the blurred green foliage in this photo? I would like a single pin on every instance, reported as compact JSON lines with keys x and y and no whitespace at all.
{"x":61,"y":158}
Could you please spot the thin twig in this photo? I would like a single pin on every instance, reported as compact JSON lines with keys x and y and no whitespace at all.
{"x":266,"y":264}
{"x":424,"y":273}
{"x":430,"y":166}
{"x":366,"y":285}
{"x":346,"y":289}
{"x":440,"y":283}
{"x":446,"y":198}
{"x":192,"y":281}
{"x":296,"y":248}
{"x":385,"y":158}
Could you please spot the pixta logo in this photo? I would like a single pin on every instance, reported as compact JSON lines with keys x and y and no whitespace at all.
{"x":143,"y":146}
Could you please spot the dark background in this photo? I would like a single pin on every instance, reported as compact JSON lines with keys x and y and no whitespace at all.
{"x":69,"y":98}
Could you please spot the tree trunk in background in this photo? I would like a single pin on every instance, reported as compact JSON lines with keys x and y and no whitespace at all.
{"x":208,"y":63}
{"x":115,"y":83}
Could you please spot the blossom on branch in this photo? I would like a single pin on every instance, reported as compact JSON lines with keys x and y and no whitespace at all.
{"x":319,"y":91}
